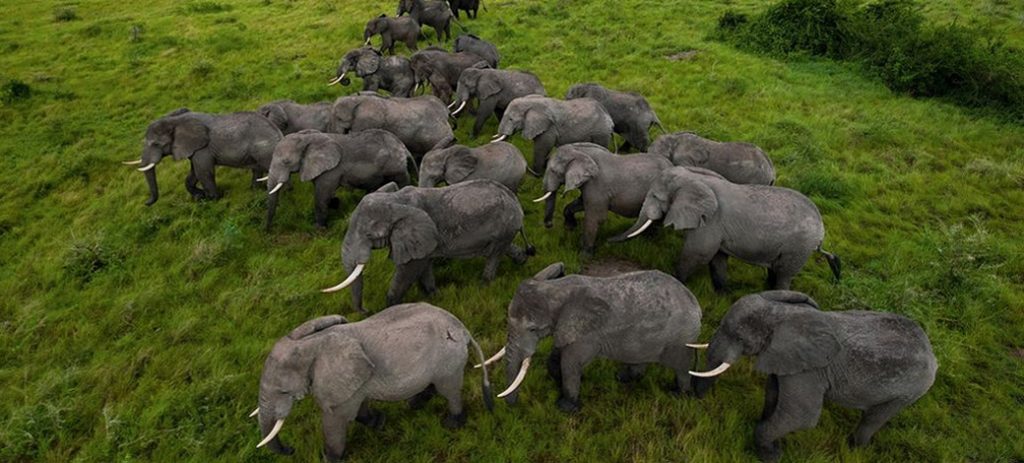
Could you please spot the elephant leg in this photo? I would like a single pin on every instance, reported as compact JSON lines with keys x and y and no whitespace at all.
{"x":569,"y":212}
{"x":491,"y":267}
{"x":369,"y":417}
{"x":680,"y":359}
{"x":554,"y":365}
{"x":323,"y":193}
{"x":541,"y":147}
{"x":698,"y":250}
{"x":405,"y":275}
{"x":718,"y":267}
{"x":256,"y":173}
{"x":786,"y":268}
{"x":450,"y":387}
{"x":482,"y":113}
{"x":631,"y":372}
{"x":420,"y":400}
{"x":873,"y":419}
{"x":191,"y":181}
{"x":335,"y":428}
{"x":575,"y":357}
{"x":411,"y":43}
{"x":427,"y":283}
{"x":592,"y":218}
{"x":798,"y":407}
{"x":205,"y":172}
{"x":771,"y":396}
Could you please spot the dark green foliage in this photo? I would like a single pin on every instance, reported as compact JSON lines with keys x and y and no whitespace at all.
{"x":205,"y":7}
{"x":65,"y":14}
{"x":15,"y":90}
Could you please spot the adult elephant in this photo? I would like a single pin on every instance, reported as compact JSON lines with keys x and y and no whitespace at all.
{"x":469,"y":6}
{"x":435,"y":14}
{"x":630,"y":111}
{"x":365,"y":160}
{"x":635,"y":318}
{"x":442,"y":69}
{"x":402,"y":29}
{"x":418,"y":225}
{"x":737,"y":162}
{"x":607,"y":182}
{"x":876,"y":362}
{"x":421,"y":122}
{"x":549,"y":123}
{"x":501,"y":162}
{"x":767,"y":226}
{"x":494,"y":90}
{"x":291,"y":117}
{"x":480,"y":47}
{"x":392,"y":74}
{"x":244,"y":140}
{"x":404,"y":352}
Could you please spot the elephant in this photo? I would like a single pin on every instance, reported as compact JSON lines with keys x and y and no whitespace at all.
{"x":435,"y":14}
{"x":392,"y":74}
{"x":291,"y":117}
{"x":244,"y":139}
{"x":737,"y":162}
{"x":494,"y":90}
{"x":403,"y":29}
{"x":409,"y":351}
{"x":465,"y":220}
{"x":442,"y":69}
{"x":607,"y":182}
{"x":549,"y":123}
{"x":366,"y":160}
{"x":421,"y":122}
{"x":767,"y":226}
{"x":480,"y":47}
{"x":469,"y":6}
{"x":630,"y":111}
{"x":875,"y":362}
{"x":635,"y":318}
{"x":501,"y":162}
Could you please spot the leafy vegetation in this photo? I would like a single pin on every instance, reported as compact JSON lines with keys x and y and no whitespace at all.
{"x":130,"y":333}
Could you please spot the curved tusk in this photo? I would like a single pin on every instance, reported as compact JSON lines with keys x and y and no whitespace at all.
{"x":697,"y":346}
{"x":542,"y":198}
{"x":495,"y":358}
{"x":708,"y":374}
{"x":463,"y":105}
{"x":263,"y":179}
{"x":150,"y":166}
{"x":277,"y":187}
{"x":351,"y":277}
{"x":255,"y":412}
{"x":453,"y":104}
{"x":367,"y":42}
{"x":641,"y":230}
{"x":501,"y":138}
{"x":132,"y":163}
{"x":273,"y":433}
{"x":519,"y":379}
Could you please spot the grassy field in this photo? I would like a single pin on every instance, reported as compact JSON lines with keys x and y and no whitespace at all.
{"x":130,"y":333}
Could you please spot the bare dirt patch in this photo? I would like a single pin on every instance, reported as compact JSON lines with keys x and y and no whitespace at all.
{"x":609,"y":266}
{"x":683,"y":55}
{"x":1017,"y":352}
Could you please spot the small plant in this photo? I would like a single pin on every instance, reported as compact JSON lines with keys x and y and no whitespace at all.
{"x":206,"y":7}
{"x":202,"y":68}
{"x":135,"y":35}
{"x":15,"y":90}
{"x":85,"y":259}
{"x":65,"y":14}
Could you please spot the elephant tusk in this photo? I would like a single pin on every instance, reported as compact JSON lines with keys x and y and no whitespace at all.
{"x":276,"y":187}
{"x":708,"y":374}
{"x":132,"y":163}
{"x":641,"y":230}
{"x":542,"y":198}
{"x":495,"y":358}
{"x":255,"y":412}
{"x":367,"y":42}
{"x":416,"y":87}
{"x":463,"y":105}
{"x":351,"y":277}
{"x":501,"y":138}
{"x":150,"y":166}
{"x":263,"y":179}
{"x":272,"y":435}
{"x":337,"y":79}
{"x":697,"y":346}
{"x":519,"y":379}
{"x":453,"y":104}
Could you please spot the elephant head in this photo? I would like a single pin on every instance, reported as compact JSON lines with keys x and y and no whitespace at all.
{"x":424,"y":66}
{"x":531,"y":114}
{"x":332,"y":367}
{"x":783,"y":329}
{"x":686,"y":149}
{"x":404,"y":6}
{"x":588,"y":90}
{"x":365,"y":61}
{"x":474,"y":83}
{"x":681,"y":198}
{"x":571,"y":166}
{"x":276,"y":113}
{"x":179,"y":133}
{"x":452,"y":165}
{"x":378,"y":25}
{"x":384,"y":219}
{"x":309,"y":152}
{"x":348,"y":109}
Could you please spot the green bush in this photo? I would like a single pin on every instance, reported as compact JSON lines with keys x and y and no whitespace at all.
{"x":15,"y":90}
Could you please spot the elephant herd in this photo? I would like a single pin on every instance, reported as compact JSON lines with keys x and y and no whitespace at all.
{"x":721,"y":195}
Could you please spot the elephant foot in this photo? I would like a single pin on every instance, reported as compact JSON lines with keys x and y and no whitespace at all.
{"x":334,"y":203}
{"x":770,"y":453}
{"x":420,"y":400}
{"x":454,"y":421}
{"x":332,"y":458}
{"x":374,"y":419}
{"x":854,"y":442}
{"x":150,"y":201}
{"x":587,"y":253}
{"x":549,"y":224}
{"x":567,"y":405}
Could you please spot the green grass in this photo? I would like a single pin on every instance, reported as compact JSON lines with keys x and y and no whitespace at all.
{"x":137,"y":334}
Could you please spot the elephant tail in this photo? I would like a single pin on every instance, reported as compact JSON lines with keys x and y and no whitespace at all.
{"x":488,"y":399}
{"x":410,"y":163}
{"x":834,"y":263}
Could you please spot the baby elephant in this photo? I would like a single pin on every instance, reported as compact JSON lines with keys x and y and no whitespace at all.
{"x":406,"y":351}
{"x":291,"y":117}
{"x":392,"y":74}
{"x":402,"y":29}
{"x":632,"y":114}
{"x":872,"y":361}
{"x":501,"y":162}
{"x":607,"y":182}
{"x":737,"y":162}
{"x":635,"y":318}
{"x":768,"y":226}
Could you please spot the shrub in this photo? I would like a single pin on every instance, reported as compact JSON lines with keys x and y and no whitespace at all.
{"x":15,"y":90}
{"x":204,"y":7}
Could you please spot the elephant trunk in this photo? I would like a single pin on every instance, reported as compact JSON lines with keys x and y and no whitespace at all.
{"x":514,"y":364}
{"x":722,"y":353}
{"x":154,"y":192}
{"x":549,"y":210}
{"x":271,"y":210}
{"x":355,"y":253}
{"x":270,"y":426}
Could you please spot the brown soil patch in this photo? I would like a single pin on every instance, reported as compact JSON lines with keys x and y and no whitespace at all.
{"x":609,"y":266}
{"x":1017,"y":352}
{"x":683,"y":55}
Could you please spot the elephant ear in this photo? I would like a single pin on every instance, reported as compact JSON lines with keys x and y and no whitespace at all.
{"x":485,"y":86}
{"x":367,"y":64}
{"x":584,"y":317}
{"x":413,"y":236}
{"x":579,"y":170}
{"x":316,"y":325}
{"x":340,"y":371}
{"x":320,"y":155}
{"x":555,"y":270}
{"x":190,"y":135}
{"x":693,"y":149}
{"x":801,"y":341}
{"x":390,"y":187}
{"x":460,"y":164}
{"x":789,"y":297}
{"x":536,"y":122}
{"x":276,"y":114}
{"x":692,"y":205}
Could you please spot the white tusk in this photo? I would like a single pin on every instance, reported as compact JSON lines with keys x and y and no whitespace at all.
{"x":463,"y":105}
{"x":453,"y":104}
{"x":717,"y":371}
{"x":351,"y":277}
{"x":495,"y":358}
{"x":277,"y":187}
{"x":697,"y":346}
{"x":367,"y":42}
{"x":501,"y":138}
{"x":641,"y":230}
{"x":132,"y":163}
{"x":273,"y":433}
{"x":263,"y":179}
{"x":519,"y":379}
{"x":542,"y":198}
{"x":416,"y":87}
{"x":150,"y":166}
{"x":337,"y":79}
{"x":255,"y":412}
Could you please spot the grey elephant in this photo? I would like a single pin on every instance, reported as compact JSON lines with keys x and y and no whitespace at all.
{"x":392,"y":74}
{"x":244,"y":140}
{"x":871,"y":361}
{"x":469,"y":6}
{"x":418,"y":225}
{"x":480,"y":47}
{"x":501,"y":162}
{"x":607,"y":182}
{"x":407,"y":351}
{"x":494,"y":90}
{"x":366,"y":160}
{"x":291,"y":117}
{"x":421,"y":122}
{"x":403,"y":29}
{"x":635,"y":318}
{"x":767,"y":226}
{"x":435,"y":14}
{"x":630,"y":111}
{"x":737,"y":162}
{"x":549,"y":123}
{"x":442,"y":69}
